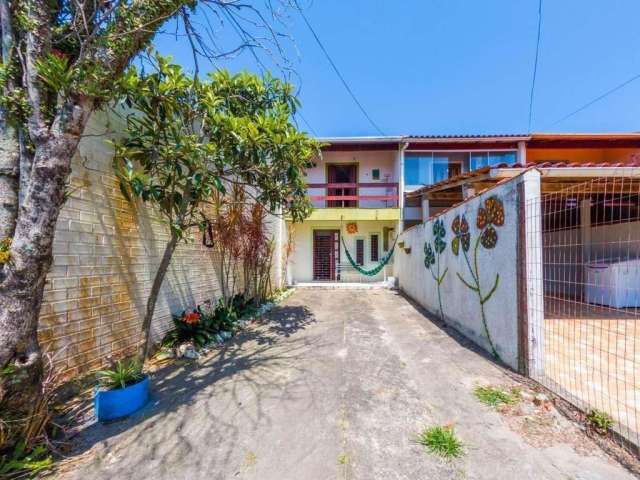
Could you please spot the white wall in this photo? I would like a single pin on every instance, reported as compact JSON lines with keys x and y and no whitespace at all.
{"x":367,"y":161}
{"x":564,"y":255}
{"x":301,"y":259}
{"x":461,"y":305}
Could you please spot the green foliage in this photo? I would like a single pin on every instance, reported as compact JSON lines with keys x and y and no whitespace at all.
{"x":16,"y":106}
{"x":5,"y":250}
{"x":24,"y":462}
{"x":122,"y":374}
{"x":600,"y":420}
{"x":495,"y":396}
{"x":199,"y":333}
{"x":54,"y":72}
{"x":442,"y":441}
{"x":200,"y":325}
{"x":190,"y":138}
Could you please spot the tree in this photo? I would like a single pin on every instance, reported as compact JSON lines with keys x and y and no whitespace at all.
{"x":59,"y":62}
{"x":188,"y":140}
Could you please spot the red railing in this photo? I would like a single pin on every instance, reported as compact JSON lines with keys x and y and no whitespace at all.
{"x":344,"y":193}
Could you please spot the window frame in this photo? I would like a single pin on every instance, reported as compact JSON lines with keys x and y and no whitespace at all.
{"x":466,"y":164}
{"x":379,"y":235}
{"x":364,"y":249}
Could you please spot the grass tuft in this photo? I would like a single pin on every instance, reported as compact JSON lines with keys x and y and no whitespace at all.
{"x":442,"y":441}
{"x":600,"y":420}
{"x":495,"y":397}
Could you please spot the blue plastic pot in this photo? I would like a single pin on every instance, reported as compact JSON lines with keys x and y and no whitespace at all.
{"x":122,"y":402}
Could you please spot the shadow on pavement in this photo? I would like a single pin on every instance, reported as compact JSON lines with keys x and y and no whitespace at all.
{"x":245,"y":363}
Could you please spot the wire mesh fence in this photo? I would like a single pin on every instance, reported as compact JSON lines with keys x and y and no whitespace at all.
{"x":588,"y":340}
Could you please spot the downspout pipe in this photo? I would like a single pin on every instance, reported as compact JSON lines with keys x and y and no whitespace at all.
{"x":402,"y":146}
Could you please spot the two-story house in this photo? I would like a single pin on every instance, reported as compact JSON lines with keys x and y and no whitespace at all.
{"x":355,"y":187}
{"x":365,"y":190}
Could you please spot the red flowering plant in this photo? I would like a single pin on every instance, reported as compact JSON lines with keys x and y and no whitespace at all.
{"x":490,"y":215}
{"x":191,"y":318}
{"x":190,"y":326}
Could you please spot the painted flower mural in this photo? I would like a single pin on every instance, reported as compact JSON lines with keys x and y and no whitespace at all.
{"x":460,"y":228}
{"x":490,"y":215}
{"x":432,"y":255}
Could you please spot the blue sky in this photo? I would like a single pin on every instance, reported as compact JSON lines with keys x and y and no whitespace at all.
{"x":456,"y":66}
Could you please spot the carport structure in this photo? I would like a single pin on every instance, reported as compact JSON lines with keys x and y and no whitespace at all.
{"x":581,"y":249}
{"x":591,"y":276}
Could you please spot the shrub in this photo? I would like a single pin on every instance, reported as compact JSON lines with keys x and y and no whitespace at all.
{"x":24,"y":462}
{"x":121,"y":375}
{"x":201,"y":324}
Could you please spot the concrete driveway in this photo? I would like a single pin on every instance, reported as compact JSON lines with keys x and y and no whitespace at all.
{"x":335,"y":384}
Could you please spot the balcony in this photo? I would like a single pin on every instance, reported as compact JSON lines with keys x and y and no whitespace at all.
{"x":354,"y":201}
{"x":347,"y":195}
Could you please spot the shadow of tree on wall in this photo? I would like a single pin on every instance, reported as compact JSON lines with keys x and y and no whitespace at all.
{"x":459,"y":337}
{"x":261,"y":364}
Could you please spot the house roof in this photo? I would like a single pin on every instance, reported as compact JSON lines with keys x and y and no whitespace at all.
{"x":500,"y":140}
{"x":488,"y":141}
{"x":552,"y":169}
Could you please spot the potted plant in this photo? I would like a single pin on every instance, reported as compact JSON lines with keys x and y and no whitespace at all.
{"x":122,"y":390}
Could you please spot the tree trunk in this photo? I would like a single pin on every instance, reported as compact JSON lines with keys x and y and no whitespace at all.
{"x":155,"y":291}
{"x":9,"y":161}
{"x":22,"y":279}
{"x":9,"y":144}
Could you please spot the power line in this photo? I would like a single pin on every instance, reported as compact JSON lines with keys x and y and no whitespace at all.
{"x":597,"y":99}
{"x":535,"y":64}
{"x":335,"y":68}
{"x":304,"y":120}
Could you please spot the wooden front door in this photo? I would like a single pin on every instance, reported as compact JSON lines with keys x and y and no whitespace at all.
{"x":342,"y":173}
{"x":326,"y":254}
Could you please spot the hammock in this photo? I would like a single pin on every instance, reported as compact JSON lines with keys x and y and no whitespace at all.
{"x":377,"y":268}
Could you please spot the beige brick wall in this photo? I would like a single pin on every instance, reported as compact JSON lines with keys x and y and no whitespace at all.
{"x":106,"y":253}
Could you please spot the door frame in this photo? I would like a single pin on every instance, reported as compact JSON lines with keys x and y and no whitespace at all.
{"x":341,"y":164}
{"x":333,"y":263}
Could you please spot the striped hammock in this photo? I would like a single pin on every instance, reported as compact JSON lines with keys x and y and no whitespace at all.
{"x":375,"y":270}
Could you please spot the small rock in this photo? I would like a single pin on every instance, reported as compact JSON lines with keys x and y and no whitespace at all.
{"x":540,"y":399}
{"x":165,"y":354}
{"x":187,"y":350}
{"x":526,"y":395}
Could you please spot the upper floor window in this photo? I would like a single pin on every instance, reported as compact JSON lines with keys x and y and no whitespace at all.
{"x":431,"y":167}
{"x":427,"y":168}
{"x":483,"y":159}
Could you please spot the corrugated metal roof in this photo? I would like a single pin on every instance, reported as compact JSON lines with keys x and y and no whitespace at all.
{"x":469,"y":136}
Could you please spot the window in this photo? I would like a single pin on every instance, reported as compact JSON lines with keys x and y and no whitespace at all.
{"x":360,"y":251}
{"x":374,"y":243}
{"x":432,"y":167}
{"x":375,"y":174}
{"x":484,"y":159}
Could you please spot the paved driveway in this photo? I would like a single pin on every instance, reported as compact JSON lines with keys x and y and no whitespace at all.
{"x":335,"y":384}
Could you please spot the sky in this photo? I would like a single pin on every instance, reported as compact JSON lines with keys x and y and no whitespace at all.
{"x":431,"y":67}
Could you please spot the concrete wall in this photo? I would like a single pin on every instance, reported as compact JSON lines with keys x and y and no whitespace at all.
{"x":300,"y":267}
{"x":367,"y":161}
{"x":106,"y":253}
{"x":460,"y":305}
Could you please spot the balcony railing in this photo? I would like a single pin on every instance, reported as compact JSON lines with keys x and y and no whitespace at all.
{"x":348,"y":195}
